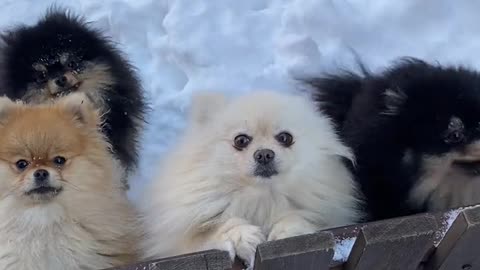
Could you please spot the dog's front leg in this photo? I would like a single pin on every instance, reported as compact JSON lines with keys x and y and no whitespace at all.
{"x":239,"y":238}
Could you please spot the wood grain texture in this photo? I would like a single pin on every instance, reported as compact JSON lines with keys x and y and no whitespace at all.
{"x":306,"y":252}
{"x":206,"y":260}
{"x":393,"y":244}
{"x":460,"y":248}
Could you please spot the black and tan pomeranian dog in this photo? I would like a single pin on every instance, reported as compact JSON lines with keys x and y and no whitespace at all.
{"x":62,"y":54}
{"x":415,"y":131}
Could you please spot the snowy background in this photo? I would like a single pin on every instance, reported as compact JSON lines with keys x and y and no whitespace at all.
{"x":181,"y":46}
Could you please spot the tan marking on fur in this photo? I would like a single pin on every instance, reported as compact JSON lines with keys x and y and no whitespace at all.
{"x":94,"y":79}
{"x":53,"y":88}
{"x":448,"y":186}
{"x":471,"y":153}
{"x":34,"y":95}
{"x":71,"y":78}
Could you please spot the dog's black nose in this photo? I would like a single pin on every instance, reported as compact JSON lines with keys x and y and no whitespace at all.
{"x":264,"y":156}
{"x":40,"y":176}
{"x":61,"y":81}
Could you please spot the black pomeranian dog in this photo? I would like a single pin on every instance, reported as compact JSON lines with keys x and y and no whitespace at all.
{"x":61,"y":54}
{"x":415,"y":131}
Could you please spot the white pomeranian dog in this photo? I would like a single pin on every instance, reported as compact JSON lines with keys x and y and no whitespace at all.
{"x":264,"y":166}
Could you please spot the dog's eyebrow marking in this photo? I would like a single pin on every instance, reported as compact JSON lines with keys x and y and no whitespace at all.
{"x":64,"y":58}
{"x":39,"y":67}
{"x":455,"y":123}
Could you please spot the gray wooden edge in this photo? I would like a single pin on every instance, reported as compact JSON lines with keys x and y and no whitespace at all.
{"x":353,"y":231}
{"x":205,"y":260}
{"x":305,"y":252}
{"x":411,"y":236}
{"x":460,"y":248}
{"x":393,"y":244}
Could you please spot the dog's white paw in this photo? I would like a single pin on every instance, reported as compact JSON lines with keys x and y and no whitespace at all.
{"x":246,"y":238}
{"x":290,"y":227}
{"x":240,"y":238}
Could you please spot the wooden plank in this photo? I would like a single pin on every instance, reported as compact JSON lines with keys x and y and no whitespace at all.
{"x":460,"y":248}
{"x":340,"y":234}
{"x":206,"y":260}
{"x":393,"y":244}
{"x":305,"y":252}
{"x":352,"y":231}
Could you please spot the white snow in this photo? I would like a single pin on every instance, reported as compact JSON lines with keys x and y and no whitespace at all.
{"x":448,"y":218}
{"x":343,"y":247}
{"x":181,"y":46}
{"x":447,"y":221}
{"x":451,"y":216}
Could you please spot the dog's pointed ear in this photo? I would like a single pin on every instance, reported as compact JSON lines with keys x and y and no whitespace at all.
{"x":6,"y":106}
{"x":79,"y":106}
{"x":394,"y":100}
{"x":205,"y":105}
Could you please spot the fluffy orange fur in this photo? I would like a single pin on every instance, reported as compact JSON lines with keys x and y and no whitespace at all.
{"x":90,"y":223}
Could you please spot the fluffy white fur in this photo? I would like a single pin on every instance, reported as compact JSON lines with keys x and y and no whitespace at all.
{"x":206,"y":196}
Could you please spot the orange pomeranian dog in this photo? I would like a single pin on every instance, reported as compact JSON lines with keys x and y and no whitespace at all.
{"x":62,"y":205}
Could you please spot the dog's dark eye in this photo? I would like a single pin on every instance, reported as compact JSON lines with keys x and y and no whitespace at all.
{"x":455,"y":131}
{"x":72,"y":64}
{"x":21,"y":164}
{"x":59,"y":161}
{"x":41,"y":77}
{"x":284,"y":138}
{"x":241,"y":141}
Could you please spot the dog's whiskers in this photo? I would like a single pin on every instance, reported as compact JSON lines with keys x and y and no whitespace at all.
{"x":68,"y":184}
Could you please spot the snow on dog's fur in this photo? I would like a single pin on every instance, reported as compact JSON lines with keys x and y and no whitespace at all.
{"x":262,"y":167}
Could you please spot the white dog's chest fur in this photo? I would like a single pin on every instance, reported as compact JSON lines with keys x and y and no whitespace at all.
{"x":260,"y":206}
{"x":44,"y":239}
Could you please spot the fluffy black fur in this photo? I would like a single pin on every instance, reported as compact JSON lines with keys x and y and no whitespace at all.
{"x":116,"y":90}
{"x":398,"y":119}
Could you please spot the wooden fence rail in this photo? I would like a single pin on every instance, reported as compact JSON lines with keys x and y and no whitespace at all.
{"x":431,"y":241}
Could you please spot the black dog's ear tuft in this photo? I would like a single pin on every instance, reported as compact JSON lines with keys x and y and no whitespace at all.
{"x":394,"y":99}
{"x":59,"y":14}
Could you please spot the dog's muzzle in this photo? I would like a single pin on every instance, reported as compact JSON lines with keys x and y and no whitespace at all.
{"x":264,"y":163}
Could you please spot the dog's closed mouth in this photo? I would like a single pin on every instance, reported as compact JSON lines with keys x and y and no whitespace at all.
{"x":73,"y":88}
{"x":265,"y":171}
{"x":67,"y":91}
{"x":44,"y":190}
